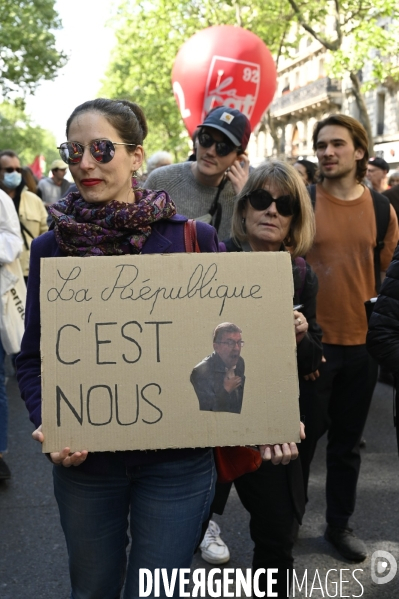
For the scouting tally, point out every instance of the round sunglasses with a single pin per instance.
(222, 148)
(102, 150)
(260, 199)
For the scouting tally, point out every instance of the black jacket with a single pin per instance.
(383, 335)
(207, 379)
(310, 349)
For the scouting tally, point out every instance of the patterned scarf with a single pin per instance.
(84, 229)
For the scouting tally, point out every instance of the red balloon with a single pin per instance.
(223, 66)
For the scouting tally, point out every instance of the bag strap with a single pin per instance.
(190, 237)
(382, 214)
(23, 231)
(312, 193)
(215, 209)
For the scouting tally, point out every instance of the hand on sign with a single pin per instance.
(64, 457)
(301, 326)
(281, 453)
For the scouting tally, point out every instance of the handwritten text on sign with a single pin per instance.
(121, 336)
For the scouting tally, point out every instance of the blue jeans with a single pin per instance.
(167, 504)
(3, 403)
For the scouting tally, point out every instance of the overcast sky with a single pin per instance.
(87, 41)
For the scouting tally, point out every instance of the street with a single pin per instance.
(33, 558)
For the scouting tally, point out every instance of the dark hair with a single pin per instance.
(195, 136)
(225, 327)
(29, 179)
(310, 167)
(9, 153)
(358, 135)
(126, 117)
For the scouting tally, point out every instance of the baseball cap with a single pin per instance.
(230, 121)
(379, 163)
(58, 164)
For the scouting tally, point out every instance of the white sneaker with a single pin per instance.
(213, 549)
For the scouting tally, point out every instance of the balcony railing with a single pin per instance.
(321, 89)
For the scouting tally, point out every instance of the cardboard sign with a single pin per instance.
(128, 359)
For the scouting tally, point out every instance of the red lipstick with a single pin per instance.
(90, 182)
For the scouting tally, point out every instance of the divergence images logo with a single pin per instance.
(380, 560)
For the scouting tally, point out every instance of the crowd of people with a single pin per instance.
(337, 220)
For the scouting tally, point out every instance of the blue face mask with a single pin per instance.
(12, 180)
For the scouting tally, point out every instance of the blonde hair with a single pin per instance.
(285, 178)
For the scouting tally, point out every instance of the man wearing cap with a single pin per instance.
(377, 171)
(51, 189)
(205, 189)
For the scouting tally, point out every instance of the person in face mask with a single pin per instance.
(31, 211)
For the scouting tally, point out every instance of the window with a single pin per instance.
(286, 86)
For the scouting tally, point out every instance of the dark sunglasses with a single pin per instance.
(223, 148)
(11, 169)
(260, 199)
(102, 150)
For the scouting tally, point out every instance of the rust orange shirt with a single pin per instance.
(342, 256)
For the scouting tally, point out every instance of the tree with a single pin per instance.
(149, 35)
(27, 50)
(150, 32)
(27, 140)
(364, 36)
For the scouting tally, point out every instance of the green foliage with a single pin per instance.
(369, 45)
(363, 36)
(18, 134)
(149, 35)
(362, 42)
(150, 32)
(27, 50)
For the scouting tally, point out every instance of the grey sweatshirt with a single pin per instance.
(192, 199)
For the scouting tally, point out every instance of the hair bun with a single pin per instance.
(137, 111)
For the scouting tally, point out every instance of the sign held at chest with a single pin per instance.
(130, 359)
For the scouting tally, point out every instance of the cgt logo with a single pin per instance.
(383, 567)
(239, 90)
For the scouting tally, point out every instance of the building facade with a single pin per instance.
(305, 94)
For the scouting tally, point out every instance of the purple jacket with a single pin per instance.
(167, 237)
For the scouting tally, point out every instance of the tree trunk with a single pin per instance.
(273, 131)
(363, 114)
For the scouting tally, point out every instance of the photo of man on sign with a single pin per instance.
(219, 379)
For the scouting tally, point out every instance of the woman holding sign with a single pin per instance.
(166, 493)
(274, 211)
